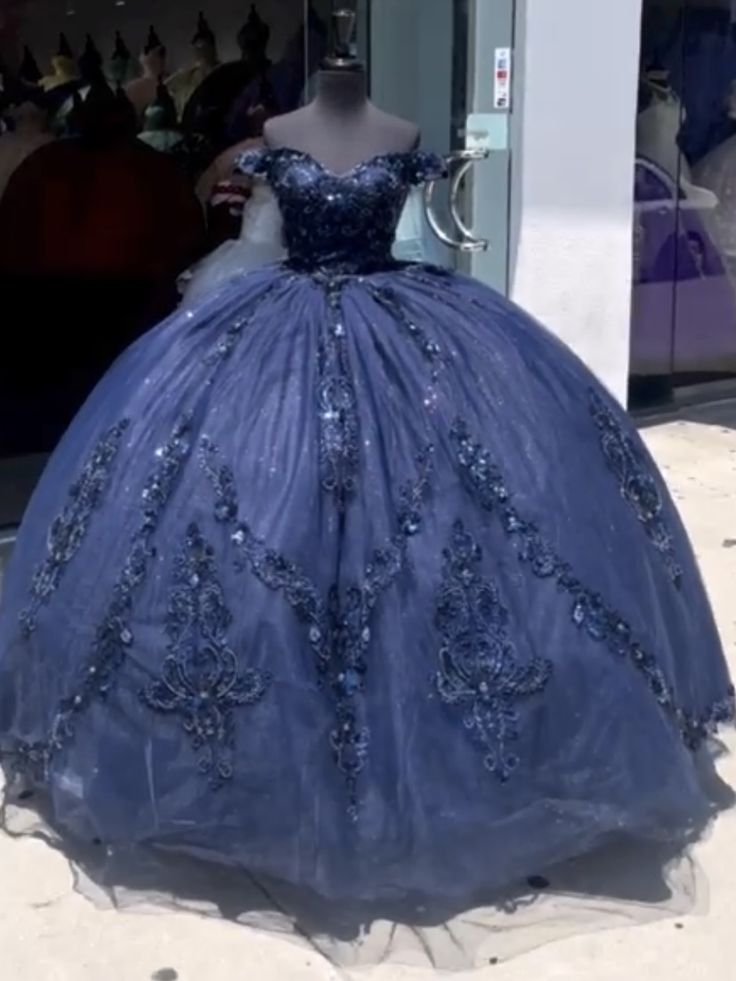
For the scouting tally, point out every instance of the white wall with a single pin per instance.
(572, 198)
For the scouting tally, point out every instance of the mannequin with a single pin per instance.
(90, 61)
(301, 59)
(659, 123)
(341, 127)
(28, 116)
(717, 172)
(29, 71)
(160, 130)
(658, 129)
(123, 68)
(208, 108)
(61, 85)
(64, 70)
(142, 91)
(185, 82)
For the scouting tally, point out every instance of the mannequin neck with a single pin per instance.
(341, 92)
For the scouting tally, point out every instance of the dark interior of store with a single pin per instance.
(120, 125)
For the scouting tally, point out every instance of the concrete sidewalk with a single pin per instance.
(49, 933)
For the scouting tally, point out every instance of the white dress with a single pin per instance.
(717, 173)
(657, 134)
(657, 131)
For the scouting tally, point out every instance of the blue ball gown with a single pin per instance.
(352, 578)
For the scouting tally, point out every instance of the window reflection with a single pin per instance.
(683, 329)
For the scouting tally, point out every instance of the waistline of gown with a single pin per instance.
(330, 269)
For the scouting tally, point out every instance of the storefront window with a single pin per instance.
(119, 125)
(683, 330)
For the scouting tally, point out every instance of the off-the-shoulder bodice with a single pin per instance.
(343, 222)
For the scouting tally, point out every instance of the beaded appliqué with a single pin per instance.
(200, 680)
(479, 666)
(338, 626)
(339, 433)
(386, 298)
(589, 611)
(69, 529)
(226, 344)
(114, 636)
(638, 487)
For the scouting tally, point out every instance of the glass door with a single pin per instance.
(447, 65)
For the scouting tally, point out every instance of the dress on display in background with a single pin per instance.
(717, 173)
(15, 146)
(286, 82)
(351, 582)
(657, 132)
(92, 239)
(683, 317)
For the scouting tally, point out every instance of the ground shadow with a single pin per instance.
(620, 882)
(720, 414)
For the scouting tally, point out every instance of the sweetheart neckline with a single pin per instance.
(346, 174)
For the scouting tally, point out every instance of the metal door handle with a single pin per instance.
(467, 242)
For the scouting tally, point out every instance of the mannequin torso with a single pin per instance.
(184, 83)
(341, 127)
(142, 91)
(30, 133)
(64, 72)
(657, 131)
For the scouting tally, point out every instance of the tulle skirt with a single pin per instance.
(354, 607)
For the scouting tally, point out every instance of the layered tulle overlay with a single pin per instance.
(357, 587)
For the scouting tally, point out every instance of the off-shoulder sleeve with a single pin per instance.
(423, 166)
(253, 163)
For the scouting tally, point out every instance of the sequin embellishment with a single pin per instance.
(200, 679)
(352, 216)
(480, 670)
(386, 298)
(638, 487)
(226, 344)
(114, 636)
(339, 433)
(589, 611)
(69, 529)
(338, 626)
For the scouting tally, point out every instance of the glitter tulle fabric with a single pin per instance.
(351, 581)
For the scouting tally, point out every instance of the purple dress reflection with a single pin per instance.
(684, 304)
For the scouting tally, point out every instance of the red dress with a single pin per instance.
(92, 238)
